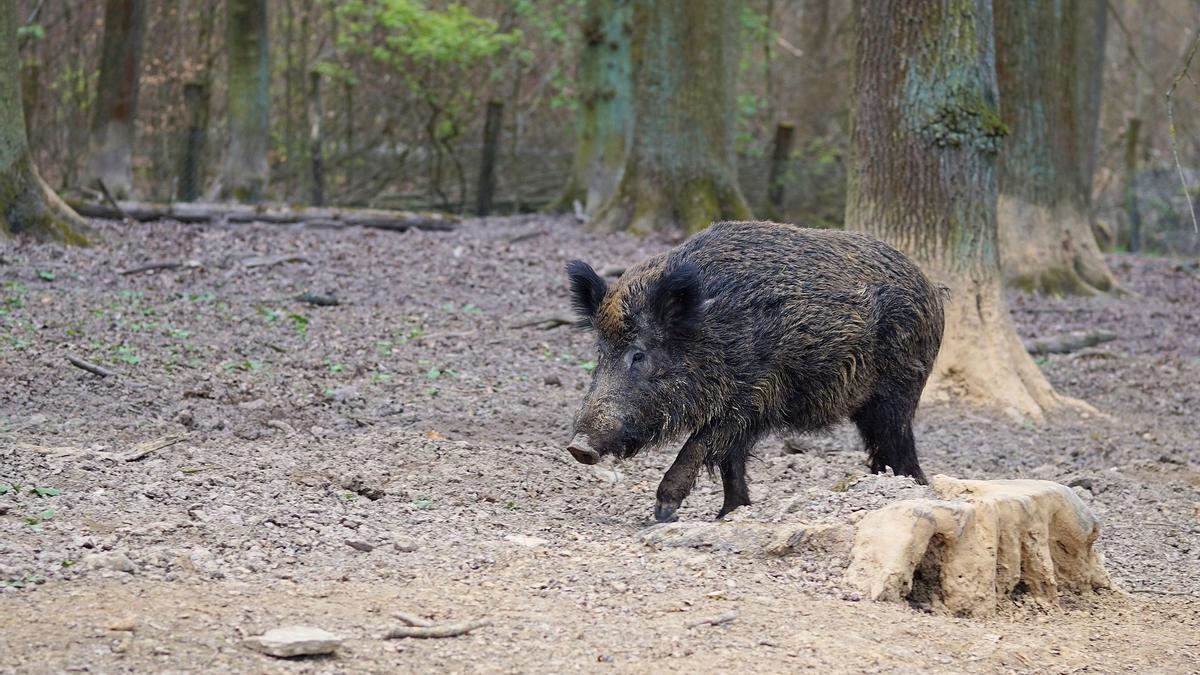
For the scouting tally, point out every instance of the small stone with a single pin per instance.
(611, 476)
(404, 546)
(290, 641)
(256, 404)
(128, 624)
(1085, 483)
(552, 381)
(525, 540)
(112, 560)
(360, 545)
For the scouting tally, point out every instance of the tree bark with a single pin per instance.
(27, 204)
(487, 163)
(1049, 61)
(244, 171)
(781, 158)
(922, 176)
(191, 160)
(604, 124)
(681, 169)
(316, 152)
(110, 147)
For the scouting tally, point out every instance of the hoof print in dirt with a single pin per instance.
(975, 546)
(293, 641)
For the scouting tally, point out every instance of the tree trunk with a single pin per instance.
(781, 160)
(110, 147)
(191, 160)
(1132, 209)
(604, 122)
(27, 204)
(487, 163)
(1049, 60)
(316, 153)
(680, 170)
(922, 176)
(244, 171)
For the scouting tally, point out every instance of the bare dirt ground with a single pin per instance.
(402, 451)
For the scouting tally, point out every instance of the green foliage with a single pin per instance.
(411, 33)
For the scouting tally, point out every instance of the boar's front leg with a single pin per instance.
(709, 444)
(678, 481)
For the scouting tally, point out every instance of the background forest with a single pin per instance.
(316, 364)
(398, 92)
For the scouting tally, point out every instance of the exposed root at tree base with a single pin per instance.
(982, 360)
(1050, 251)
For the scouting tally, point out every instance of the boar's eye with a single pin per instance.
(633, 358)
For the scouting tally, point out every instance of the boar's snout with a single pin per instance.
(582, 451)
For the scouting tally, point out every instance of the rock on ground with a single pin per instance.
(290, 641)
(977, 545)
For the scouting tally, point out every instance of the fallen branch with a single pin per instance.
(527, 236)
(273, 214)
(412, 619)
(90, 367)
(318, 300)
(108, 197)
(717, 620)
(146, 447)
(442, 631)
(437, 336)
(550, 321)
(1067, 343)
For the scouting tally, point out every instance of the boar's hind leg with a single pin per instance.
(886, 429)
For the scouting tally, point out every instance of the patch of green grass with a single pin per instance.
(299, 324)
(269, 314)
(337, 367)
(423, 502)
(381, 377)
(45, 491)
(35, 521)
(125, 354)
(45, 275)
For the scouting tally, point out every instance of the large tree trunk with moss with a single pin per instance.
(922, 176)
(27, 204)
(604, 122)
(110, 148)
(244, 170)
(680, 170)
(1049, 60)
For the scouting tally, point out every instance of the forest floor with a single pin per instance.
(258, 461)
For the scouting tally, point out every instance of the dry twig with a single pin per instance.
(717, 620)
(1187, 63)
(146, 447)
(90, 367)
(545, 322)
(435, 631)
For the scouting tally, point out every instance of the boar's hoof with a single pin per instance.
(582, 451)
(664, 511)
(728, 509)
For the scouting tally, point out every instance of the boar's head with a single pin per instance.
(644, 381)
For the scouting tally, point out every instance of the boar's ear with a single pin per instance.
(675, 300)
(587, 290)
